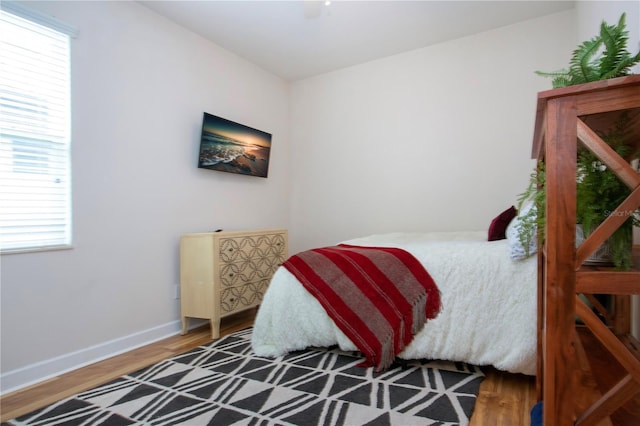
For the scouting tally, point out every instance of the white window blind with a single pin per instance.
(35, 198)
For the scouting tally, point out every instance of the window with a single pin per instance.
(35, 186)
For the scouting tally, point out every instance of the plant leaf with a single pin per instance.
(590, 63)
(583, 68)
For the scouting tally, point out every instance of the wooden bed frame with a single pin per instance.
(564, 117)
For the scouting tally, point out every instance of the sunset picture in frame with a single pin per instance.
(231, 147)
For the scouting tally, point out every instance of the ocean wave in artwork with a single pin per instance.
(219, 149)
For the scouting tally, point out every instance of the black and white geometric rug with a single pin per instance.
(223, 383)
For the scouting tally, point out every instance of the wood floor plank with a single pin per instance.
(504, 399)
(600, 360)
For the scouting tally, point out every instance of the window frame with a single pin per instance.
(53, 145)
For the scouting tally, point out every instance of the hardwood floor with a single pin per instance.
(601, 361)
(504, 399)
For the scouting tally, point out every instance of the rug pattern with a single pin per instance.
(223, 383)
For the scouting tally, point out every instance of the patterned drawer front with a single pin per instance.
(242, 297)
(251, 258)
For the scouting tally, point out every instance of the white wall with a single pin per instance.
(435, 139)
(140, 86)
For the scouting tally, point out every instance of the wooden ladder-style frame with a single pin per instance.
(566, 117)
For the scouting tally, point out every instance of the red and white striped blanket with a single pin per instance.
(380, 297)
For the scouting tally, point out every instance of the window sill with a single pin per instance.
(35, 249)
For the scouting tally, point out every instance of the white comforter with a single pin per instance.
(488, 312)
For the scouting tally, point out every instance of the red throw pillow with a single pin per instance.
(499, 224)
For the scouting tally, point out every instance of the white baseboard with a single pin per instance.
(44, 370)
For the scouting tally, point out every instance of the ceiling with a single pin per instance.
(299, 39)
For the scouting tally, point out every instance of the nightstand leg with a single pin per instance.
(215, 328)
(185, 325)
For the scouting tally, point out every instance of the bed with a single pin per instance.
(488, 314)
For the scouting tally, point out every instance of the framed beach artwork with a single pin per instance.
(231, 147)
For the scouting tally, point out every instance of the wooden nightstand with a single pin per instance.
(222, 273)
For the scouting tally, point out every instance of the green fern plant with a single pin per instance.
(598, 189)
(598, 193)
(533, 223)
(590, 63)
